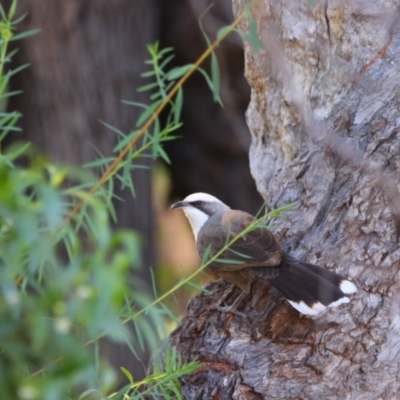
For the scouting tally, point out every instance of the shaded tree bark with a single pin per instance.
(325, 133)
(212, 155)
(87, 58)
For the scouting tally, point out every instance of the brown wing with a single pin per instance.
(258, 248)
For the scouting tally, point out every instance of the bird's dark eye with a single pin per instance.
(197, 203)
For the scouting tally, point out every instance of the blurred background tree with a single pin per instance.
(87, 58)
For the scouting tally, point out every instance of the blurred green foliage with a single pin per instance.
(66, 281)
(65, 276)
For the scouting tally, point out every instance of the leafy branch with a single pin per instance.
(160, 106)
(8, 120)
(206, 261)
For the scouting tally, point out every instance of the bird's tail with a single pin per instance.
(307, 287)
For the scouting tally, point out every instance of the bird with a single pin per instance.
(257, 255)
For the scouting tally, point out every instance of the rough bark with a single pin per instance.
(86, 59)
(325, 133)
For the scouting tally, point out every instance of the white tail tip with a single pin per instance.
(348, 287)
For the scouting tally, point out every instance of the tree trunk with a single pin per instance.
(87, 58)
(325, 134)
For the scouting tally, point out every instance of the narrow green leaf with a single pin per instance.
(206, 255)
(26, 34)
(155, 96)
(227, 261)
(88, 392)
(178, 106)
(99, 162)
(177, 72)
(124, 142)
(215, 78)
(3, 14)
(156, 138)
(252, 35)
(127, 182)
(170, 314)
(147, 87)
(164, 155)
(11, 11)
(173, 127)
(148, 112)
(10, 55)
(209, 82)
(134, 103)
(166, 61)
(127, 374)
(240, 254)
(9, 94)
(222, 32)
(17, 151)
(198, 287)
(126, 174)
(201, 24)
(6, 160)
(165, 50)
(278, 211)
(19, 69)
(147, 74)
(112, 128)
(19, 19)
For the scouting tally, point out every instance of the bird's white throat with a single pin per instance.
(196, 219)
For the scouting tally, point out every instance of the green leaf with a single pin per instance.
(147, 74)
(222, 32)
(88, 392)
(278, 211)
(99, 162)
(164, 155)
(17, 151)
(134, 103)
(19, 19)
(178, 72)
(166, 61)
(155, 96)
(210, 83)
(198, 287)
(201, 24)
(19, 69)
(125, 141)
(126, 174)
(148, 113)
(112, 128)
(252, 35)
(147, 87)
(178, 106)
(165, 50)
(12, 10)
(227, 261)
(240, 254)
(9, 94)
(2, 13)
(215, 78)
(127, 374)
(206, 255)
(26, 34)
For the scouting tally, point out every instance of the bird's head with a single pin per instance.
(198, 208)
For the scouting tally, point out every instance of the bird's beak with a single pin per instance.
(179, 204)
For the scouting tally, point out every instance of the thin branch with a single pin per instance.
(252, 226)
(114, 166)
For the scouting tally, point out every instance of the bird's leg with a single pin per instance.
(231, 308)
(226, 294)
